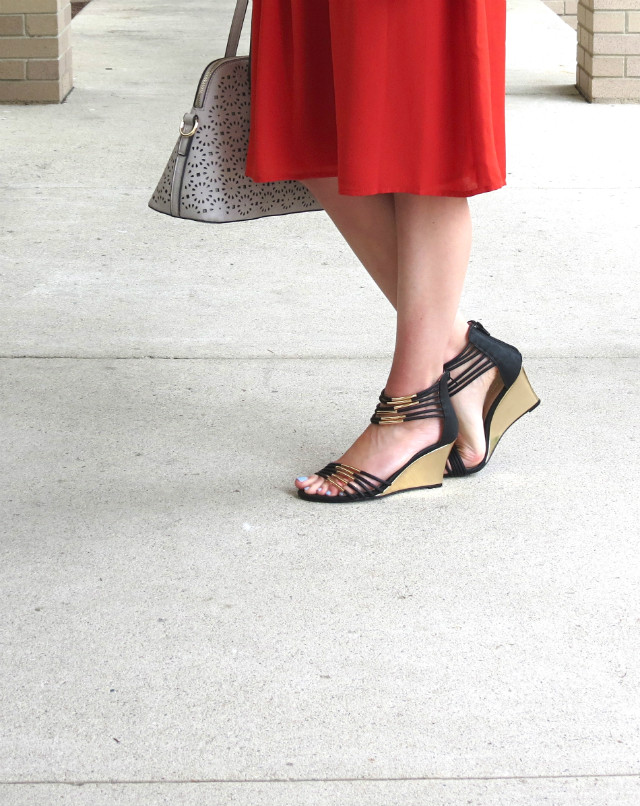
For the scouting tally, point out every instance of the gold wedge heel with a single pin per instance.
(424, 473)
(518, 400)
(513, 395)
(425, 470)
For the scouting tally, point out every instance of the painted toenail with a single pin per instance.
(306, 489)
(328, 492)
(302, 478)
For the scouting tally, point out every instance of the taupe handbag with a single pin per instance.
(204, 179)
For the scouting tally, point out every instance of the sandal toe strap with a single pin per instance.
(354, 483)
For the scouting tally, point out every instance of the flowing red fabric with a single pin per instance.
(401, 96)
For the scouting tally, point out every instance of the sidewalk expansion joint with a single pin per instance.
(399, 779)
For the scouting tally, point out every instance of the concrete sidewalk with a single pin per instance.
(177, 627)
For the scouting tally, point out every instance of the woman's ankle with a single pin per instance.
(403, 386)
(458, 340)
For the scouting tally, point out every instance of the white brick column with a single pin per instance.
(609, 50)
(35, 51)
(567, 9)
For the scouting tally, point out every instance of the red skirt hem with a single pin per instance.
(346, 190)
(389, 97)
(423, 191)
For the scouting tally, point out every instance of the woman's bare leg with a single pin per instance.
(368, 224)
(433, 238)
(434, 242)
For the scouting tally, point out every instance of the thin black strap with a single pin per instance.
(352, 482)
(420, 406)
(456, 465)
(474, 362)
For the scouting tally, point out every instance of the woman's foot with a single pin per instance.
(380, 450)
(481, 369)
(471, 405)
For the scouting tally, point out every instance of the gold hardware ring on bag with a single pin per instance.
(192, 132)
(205, 177)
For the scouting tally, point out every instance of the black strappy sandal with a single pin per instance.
(422, 472)
(515, 399)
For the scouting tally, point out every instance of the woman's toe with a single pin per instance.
(316, 485)
(312, 484)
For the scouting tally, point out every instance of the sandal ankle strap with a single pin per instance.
(419, 406)
(482, 353)
(474, 362)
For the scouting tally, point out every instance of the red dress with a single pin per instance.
(388, 95)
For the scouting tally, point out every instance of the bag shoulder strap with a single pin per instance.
(236, 27)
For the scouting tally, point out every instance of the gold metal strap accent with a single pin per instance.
(332, 479)
(350, 467)
(342, 476)
(352, 481)
(387, 418)
(418, 406)
(390, 412)
(397, 402)
(345, 475)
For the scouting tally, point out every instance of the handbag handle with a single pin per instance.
(236, 27)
